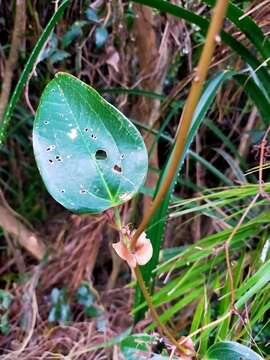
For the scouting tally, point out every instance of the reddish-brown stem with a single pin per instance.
(198, 81)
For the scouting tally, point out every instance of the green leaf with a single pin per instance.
(92, 311)
(231, 350)
(73, 33)
(238, 173)
(55, 296)
(107, 344)
(133, 346)
(90, 156)
(49, 49)
(101, 36)
(84, 295)
(137, 347)
(4, 324)
(59, 55)
(92, 15)
(5, 299)
(253, 285)
(65, 314)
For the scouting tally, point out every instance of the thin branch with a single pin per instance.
(18, 32)
(27, 238)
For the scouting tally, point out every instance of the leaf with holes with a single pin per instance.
(90, 156)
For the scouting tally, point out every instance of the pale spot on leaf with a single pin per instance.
(73, 134)
(125, 196)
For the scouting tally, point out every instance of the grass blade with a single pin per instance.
(28, 68)
(203, 23)
(156, 228)
(248, 27)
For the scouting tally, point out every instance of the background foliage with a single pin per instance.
(79, 283)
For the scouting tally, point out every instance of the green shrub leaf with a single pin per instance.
(101, 36)
(90, 156)
(231, 350)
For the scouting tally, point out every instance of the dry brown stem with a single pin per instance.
(153, 62)
(17, 35)
(26, 237)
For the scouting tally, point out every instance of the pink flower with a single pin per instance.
(139, 256)
(188, 344)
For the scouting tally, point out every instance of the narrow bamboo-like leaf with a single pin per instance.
(234, 166)
(211, 168)
(224, 303)
(28, 68)
(91, 157)
(248, 27)
(256, 94)
(204, 336)
(156, 227)
(197, 318)
(208, 243)
(178, 306)
(106, 344)
(231, 350)
(253, 285)
(225, 140)
(203, 23)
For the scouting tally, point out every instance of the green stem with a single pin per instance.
(166, 332)
(184, 124)
(117, 217)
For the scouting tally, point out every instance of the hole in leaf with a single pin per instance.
(86, 129)
(93, 137)
(122, 156)
(46, 122)
(62, 191)
(83, 191)
(101, 155)
(50, 148)
(58, 158)
(117, 169)
(50, 161)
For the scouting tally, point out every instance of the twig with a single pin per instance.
(18, 32)
(264, 3)
(27, 238)
(262, 151)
